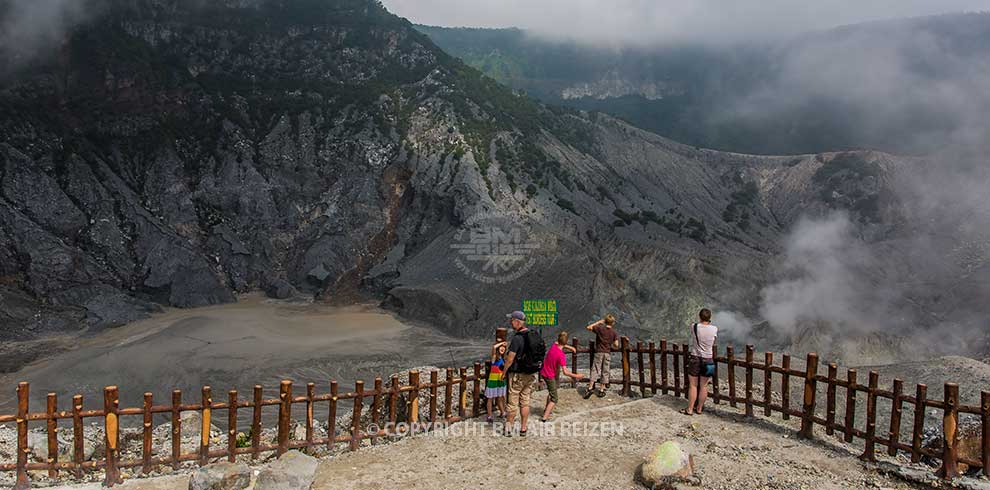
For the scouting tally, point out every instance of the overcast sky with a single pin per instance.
(652, 21)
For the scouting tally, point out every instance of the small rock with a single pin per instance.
(293, 471)
(38, 443)
(221, 476)
(667, 464)
(280, 289)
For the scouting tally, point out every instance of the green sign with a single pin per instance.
(540, 312)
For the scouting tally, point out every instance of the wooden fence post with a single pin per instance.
(146, 428)
(256, 423)
(675, 360)
(414, 400)
(664, 386)
(985, 433)
(591, 362)
(434, 383)
(716, 393)
(112, 435)
(850, 419)
(52, 427)
(687, 384)
(731, 362)
(356, 415)
(869, 453)
(204, 432)
(78, 443)
(176, 428)
(653, 369)
(921, 395)
(810, 392)
(23, 392)
(767, 383)
(639, 365)
(950, 434)
(376, 409)
(448, 394)
(893, 436)
(576, 344)
(476, 402)
(625, 366)
(310, 416)
(332, 416)
(749, 380)
(833, 370)
(462, 394)
(232, 426)
(284, 414)
(785, 386)
(393, 399)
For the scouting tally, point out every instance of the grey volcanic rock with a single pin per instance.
(181, 152)
(280, 289)
(221, 476)
(435, 304)
(292, 471)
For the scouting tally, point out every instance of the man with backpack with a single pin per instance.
(522, 363)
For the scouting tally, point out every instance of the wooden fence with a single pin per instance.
(385, 398)
(835, 423)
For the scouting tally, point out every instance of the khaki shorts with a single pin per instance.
(551, 389)
(520, 388)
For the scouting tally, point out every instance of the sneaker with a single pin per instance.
(601, 394)
(522, 433)
(587, 394)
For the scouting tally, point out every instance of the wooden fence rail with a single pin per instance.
(379, 418)
(811, 415)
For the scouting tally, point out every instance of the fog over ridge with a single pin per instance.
(649, 22)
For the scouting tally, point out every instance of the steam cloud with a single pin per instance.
(821, 283)
(915, 82)
(30, 29)
(923, 277)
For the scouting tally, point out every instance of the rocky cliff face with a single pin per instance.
(177, 153)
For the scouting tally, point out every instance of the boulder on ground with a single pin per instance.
(293, 471)
(666, 465)
(280, 289)
(221, 476)
(38, 442)
(192, 424)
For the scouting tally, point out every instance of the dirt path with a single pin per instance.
(235, 346)
(729, 454)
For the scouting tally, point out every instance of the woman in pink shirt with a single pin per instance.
(554, 363)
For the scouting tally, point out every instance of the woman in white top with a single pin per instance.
(701, 366)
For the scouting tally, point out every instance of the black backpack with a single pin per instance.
(534, 350)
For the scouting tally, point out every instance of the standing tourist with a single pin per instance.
(553, 364)
(606, 338)
(701, 365)
(495, 385)
(525, 357)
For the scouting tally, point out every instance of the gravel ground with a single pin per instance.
(729, 453)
